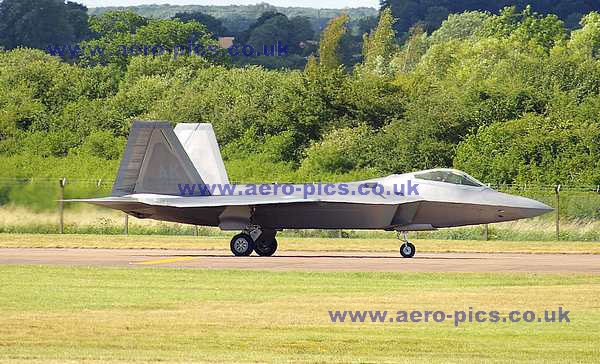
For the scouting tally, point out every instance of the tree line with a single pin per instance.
(431, 14)
(512, 97)
(40, 23)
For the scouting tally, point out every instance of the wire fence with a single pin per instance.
(575, 205)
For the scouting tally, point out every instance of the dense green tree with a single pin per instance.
(243, 36)
(533, 149)
(112, 30)
(172, 33)
(301, 35)
(431, 14)
(586, 41)
(411, 51)
(79, 20)
(269, 30)
(380, 46)
(460, 27)
(526, 26)
(212, 24)
(340, 151)
(39, 23)
(512, 97)
(126, 36)
(112, 23)
(275, 28)
(330, 42)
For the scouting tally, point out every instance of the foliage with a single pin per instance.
(39, 23)
(534, 149)
(238, 18)
(339, 152)
(213, 25)
(380, 46)
(125, 35)
(586, 41)
(271, 30)
(330, 42)
(431, 14)
(510, 98)
(113, 22)
(460, 26)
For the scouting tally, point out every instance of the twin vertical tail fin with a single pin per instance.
(160, 160)
(200, 144)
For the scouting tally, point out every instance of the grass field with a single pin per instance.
(52, 314)
(292, 243)
(161, 315)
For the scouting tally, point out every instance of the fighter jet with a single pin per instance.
(170, 175)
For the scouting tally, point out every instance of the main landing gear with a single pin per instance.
(407, 249)
(262, 242)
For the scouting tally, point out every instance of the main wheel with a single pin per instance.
(266, 248)
(407, 250)
(242, 245)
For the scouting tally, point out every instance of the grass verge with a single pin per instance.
(53, 314)
(293, 243)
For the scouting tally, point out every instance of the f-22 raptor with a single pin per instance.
(159, 160)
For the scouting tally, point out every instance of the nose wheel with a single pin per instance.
(407, 249)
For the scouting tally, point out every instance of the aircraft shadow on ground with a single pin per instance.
(341, 257)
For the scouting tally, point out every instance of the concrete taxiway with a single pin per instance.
(307, 261)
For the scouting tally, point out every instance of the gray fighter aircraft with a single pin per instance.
(159, 160)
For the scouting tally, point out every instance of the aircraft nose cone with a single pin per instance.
(527, 207)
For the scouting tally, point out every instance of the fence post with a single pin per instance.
(126, 227)
(195, 230)
(61, 205)
(557, 191)
(485, 226)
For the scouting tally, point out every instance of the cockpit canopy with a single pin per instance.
(449, 176)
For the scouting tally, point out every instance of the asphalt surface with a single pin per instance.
(307, 261)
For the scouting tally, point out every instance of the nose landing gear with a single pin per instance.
(407, 249)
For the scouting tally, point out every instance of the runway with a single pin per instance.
(307, 261)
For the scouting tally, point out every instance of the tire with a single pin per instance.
(407, 250)
(266, 248)
(242, 245)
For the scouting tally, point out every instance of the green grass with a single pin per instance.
(293, 243)
(53, 314)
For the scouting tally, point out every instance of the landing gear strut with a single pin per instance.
(407, 249)
(253, 238)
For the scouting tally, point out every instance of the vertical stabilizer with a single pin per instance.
(155, 162)
(200, 144)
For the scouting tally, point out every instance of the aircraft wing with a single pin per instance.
(244, 200)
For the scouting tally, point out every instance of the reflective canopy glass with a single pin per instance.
(449, 176)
